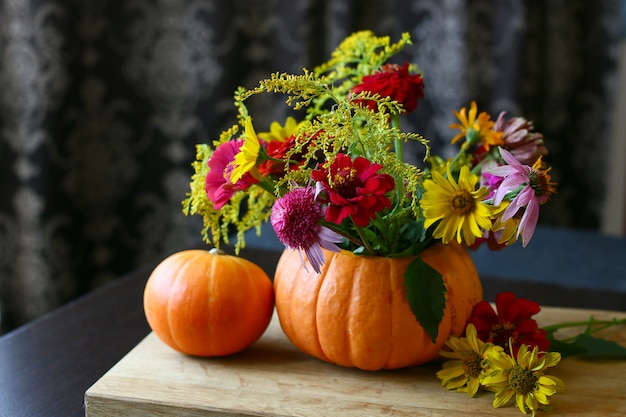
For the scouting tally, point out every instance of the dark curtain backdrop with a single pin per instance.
(102, 102)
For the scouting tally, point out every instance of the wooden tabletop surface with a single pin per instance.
(273, 378)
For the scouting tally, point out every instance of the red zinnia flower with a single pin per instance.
(511, 322)
(218, 187)
(276, 149)
(395, 82)
(353, 189)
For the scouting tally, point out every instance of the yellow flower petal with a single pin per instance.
(246, 159)
(459, 206)
(502, 398)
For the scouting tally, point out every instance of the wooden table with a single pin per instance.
(47, 366)
(272, 378)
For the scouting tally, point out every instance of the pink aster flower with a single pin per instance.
(218, 185)
(520, 139)
(296, 220)
(530, 186)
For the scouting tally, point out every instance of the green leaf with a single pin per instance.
(426, 295)
(589, 346)
(596, 346)
(566, 349)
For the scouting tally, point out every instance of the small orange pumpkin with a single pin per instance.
(208, 304)
(355, 312)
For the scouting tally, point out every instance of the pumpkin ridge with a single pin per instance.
(252, 298)
(392, 312)
(168, 316)
(350, 318)
(451, 279)
(322, 275)
(330, 261)
(211, 284)
(187, 264)
(257, 298)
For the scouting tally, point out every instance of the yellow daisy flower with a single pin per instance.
(280, 133)
(246, 159)
(459, 206)
(467, 366)
(523, 379)
(476, 129)
(507, 229)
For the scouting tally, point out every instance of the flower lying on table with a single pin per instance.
(337, 178)
(506, 352)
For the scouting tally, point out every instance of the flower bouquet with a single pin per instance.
(333, 177)
(337, 178)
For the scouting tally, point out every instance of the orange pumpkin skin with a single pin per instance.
(355, 313)
(208, 304)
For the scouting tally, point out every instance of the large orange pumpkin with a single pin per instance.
(208, 304)
(355, 312)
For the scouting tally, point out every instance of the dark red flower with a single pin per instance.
(218, 187)
(513, 321)
(353, 189)
(277, 149)
(393, 81)
(491, 240)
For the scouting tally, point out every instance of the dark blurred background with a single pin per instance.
(102, 102)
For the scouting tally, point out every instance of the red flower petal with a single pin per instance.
(512, 323)
(357, 190)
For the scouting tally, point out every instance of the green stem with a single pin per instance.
(598, 325)
(262, 181)
(477, 169)
(365, 242)
(284, 161)
(456, 158)
(343, 234)
(397, 143)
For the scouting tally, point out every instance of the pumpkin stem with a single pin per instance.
(216, 251)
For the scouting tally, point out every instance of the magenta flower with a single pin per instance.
(296, 220)
(491, 182)
(218, 187)
(529, 186)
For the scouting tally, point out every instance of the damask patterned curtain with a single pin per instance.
(102, 102)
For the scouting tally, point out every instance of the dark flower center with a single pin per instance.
(462, 203)
(522, 380)
(472, 365)
(539, 183)
(345, 184)
(500, 332)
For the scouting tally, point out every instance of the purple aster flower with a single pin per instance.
(530, 186)
(296, 220)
